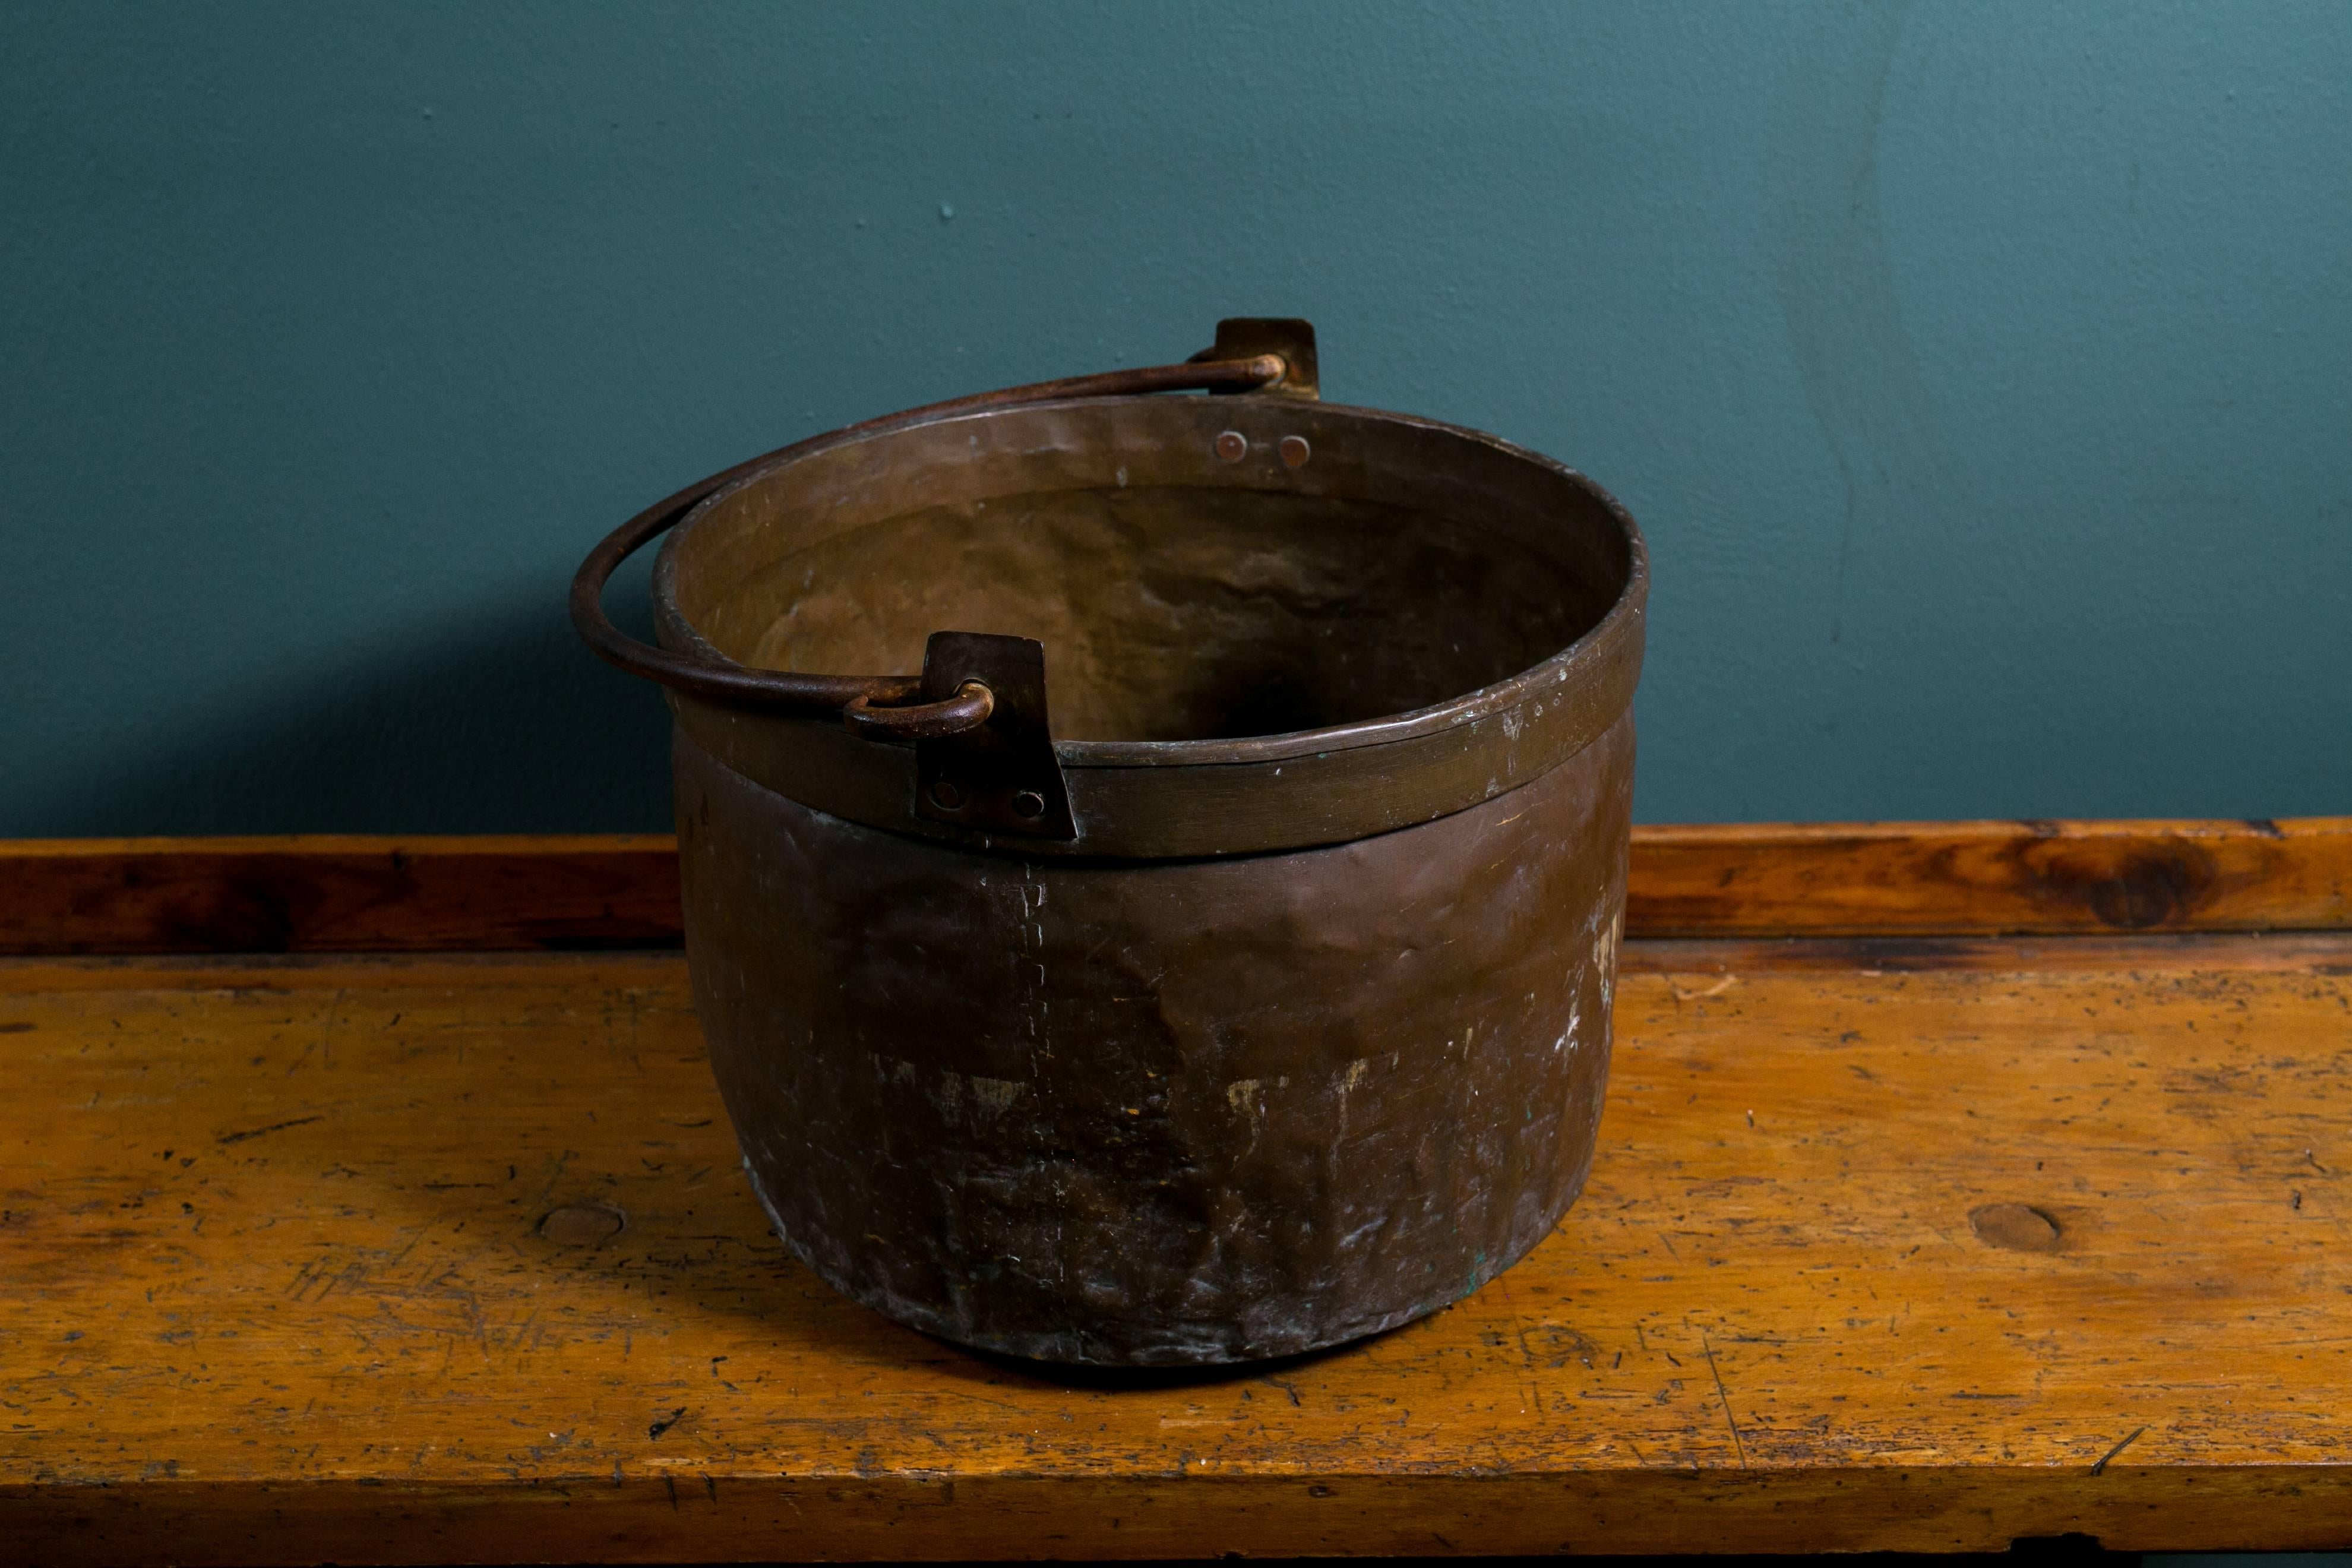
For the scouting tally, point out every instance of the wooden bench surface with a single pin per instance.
(1926, 1245)
(1920, 1242)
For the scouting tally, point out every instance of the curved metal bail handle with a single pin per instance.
(968, 709)
(874, 706)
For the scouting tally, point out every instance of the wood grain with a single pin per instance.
(451, 894)
(1977, 877)
(279, 1286)
(337, 894)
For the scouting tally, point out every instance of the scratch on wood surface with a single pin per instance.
(1738, 1445)
(1683, 993)
(273, 1127)
(2101, 1468)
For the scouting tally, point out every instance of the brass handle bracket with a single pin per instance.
(1286, 338)
(1001, 775)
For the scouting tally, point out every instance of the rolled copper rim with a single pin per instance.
(1152, 799)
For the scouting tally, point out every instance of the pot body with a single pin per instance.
(1161, 1112)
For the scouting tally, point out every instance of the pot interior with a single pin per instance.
(1179, 597)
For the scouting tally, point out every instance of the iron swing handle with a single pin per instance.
(876, 706)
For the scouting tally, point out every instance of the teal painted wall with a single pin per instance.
(1981, 372)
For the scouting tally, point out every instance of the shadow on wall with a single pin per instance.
(513, 727)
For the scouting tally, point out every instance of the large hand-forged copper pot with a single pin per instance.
(1254, 999)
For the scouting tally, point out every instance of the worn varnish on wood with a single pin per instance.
(1919, 1245)
(358, 894)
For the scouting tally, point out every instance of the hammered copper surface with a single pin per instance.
(1295, 1027)
(1183, 613)
(1166, 1113)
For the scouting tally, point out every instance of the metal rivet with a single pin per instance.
(1233, 446)
(1295, 451)
(946, 796)
(581, 1224)
(1029, 804)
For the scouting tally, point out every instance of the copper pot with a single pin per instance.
(1256, 1000)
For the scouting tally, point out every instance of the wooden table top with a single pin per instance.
(1926, 1245)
